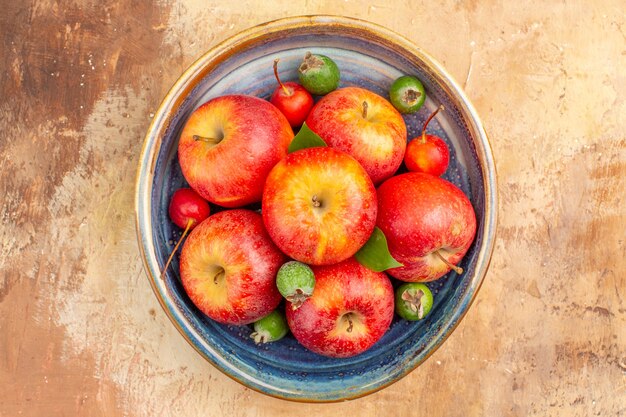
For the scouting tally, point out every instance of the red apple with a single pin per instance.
(429, 224)
(363, 124)
(229, 145)
(228, 267)
(350, 310)
(319, 205)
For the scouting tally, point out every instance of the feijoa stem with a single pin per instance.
(285, 89)
(455, 268)
(297, 298)
(182, 237)
(411, 96)
(309, 62)
(428, 121)
(415, 302)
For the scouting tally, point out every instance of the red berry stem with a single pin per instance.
(285, 89)
(455, 268)
(423, 140)
(182, 237)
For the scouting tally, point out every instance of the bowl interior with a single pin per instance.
(285, 369)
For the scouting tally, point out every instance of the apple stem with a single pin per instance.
(455, 268)
(350, 325)
(316, 201)
(169, 260)
(206, 139)
(219, 275)
(428, 121)
(365, 109)
(285, 89)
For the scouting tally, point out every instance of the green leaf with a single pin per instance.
(306, 138)
(375, 253)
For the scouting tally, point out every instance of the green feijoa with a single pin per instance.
(270, 328)
(295, 282)
(413, 301)
(407, 94)
(318, 74)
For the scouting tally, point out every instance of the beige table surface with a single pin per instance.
(81, 333)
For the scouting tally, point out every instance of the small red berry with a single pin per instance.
(427, 153)
(187, 206)
(187, 209)
(293, 100)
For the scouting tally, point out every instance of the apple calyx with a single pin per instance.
(414, 302)
(423, 138)
(297, 298)
(316, 201)
(206, 139)
(455, 268)
(365, 106)
(287, 91)
(182, 237)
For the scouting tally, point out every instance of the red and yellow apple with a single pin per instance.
(229, 145)
(228, 267)
(429, 224)
(350, 310)
(319, 205)
(364, 125)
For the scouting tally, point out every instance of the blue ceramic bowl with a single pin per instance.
(368, 56)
